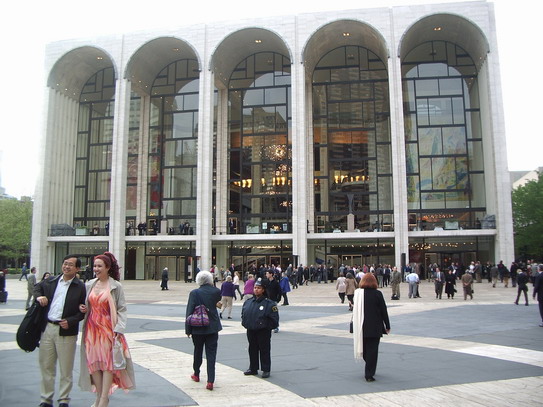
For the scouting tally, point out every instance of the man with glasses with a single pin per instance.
(61, 296)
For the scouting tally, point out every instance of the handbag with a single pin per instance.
(199, 316)
(119, 360)
(29, 332)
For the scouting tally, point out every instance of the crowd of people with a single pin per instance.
(100, 305)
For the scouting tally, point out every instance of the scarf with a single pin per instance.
(358, 323)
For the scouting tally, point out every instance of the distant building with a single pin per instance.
(353, 136)
(520, 178)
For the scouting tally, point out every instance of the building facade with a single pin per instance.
(357, 136)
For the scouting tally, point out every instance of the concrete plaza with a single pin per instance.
(481, 352)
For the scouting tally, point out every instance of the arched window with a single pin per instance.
(351, 139)
(173, 147)
(93, 153)
(443, 142)
(260, 145)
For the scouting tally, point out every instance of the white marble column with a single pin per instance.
(300, 171)
(399, 180)
(119, 168)
(204, 195)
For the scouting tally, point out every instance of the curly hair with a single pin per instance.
(111, 263)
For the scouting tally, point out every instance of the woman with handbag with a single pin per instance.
(104, 350)
(204, 333)
(370, 322)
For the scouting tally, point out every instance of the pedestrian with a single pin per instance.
(467, 281)
(350, 287)
(104, 326)
(522, 283)
(204, 336)
(45, 276)
(395, 280)
(413, 280)
(227, 299)
(494, 273)
(370, 322)
(450, 282)
(24, 272)
(341, 286)
(61, 297)
(538, 290)
(284, 284)
(235, 281)
(259, 316)
(30, 283)
(164, 282)
(248, 288)
(439, 281)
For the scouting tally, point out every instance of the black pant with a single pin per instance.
(525, 291)
(541, 310)
(259, 345)
(370, 352)
(285, 300)
(211, 343)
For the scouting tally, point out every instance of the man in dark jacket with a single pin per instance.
(259, 316)
(61, 296)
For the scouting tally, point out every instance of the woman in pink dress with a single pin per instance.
(105, 323)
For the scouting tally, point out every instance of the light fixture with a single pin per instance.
(258, 41)
(346, 34)
(99, 58)
(437, 28)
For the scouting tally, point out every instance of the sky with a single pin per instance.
(29, 26)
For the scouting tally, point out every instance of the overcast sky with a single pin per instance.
(27, 27)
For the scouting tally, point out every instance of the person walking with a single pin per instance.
(204, 336)
(450, 282)
(494, 273)
(235, 281)
(284, 284)
(103, 327)
(24, 272)
(395, 280)
(61, 297)
(164, 282)
(467, 281)
(227, 299)
(522, 284)
(341, 286)
(259, 316)
(439, 281)
(350, 287)
(248, 288)
(30, 283)
(370, 322)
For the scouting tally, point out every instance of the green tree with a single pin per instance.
(15, 229)
(528, 219)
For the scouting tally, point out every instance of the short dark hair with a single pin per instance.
(73, 256)
(368, 281)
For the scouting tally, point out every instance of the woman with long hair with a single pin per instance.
(370, 322)
(350, 287)
(104, 324)
(207, 336)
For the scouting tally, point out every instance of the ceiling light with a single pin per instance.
(437, 28)
(346, 34)
(258, 41)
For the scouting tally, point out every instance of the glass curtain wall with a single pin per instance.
(173, 144)
(133, 156)
(443, 141)
(351, 136)
(93, 153)
(260, 145)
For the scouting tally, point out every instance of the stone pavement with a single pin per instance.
(481, 352)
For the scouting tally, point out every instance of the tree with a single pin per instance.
(528, 218)
(15, 227)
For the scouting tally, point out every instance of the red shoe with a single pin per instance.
(195, 377)
(209, 386)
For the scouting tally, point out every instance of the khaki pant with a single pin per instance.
(227, 303)
(54, 347)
